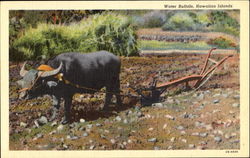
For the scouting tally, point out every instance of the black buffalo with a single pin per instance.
(78, 73)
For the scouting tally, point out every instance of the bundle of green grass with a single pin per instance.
(106, 31)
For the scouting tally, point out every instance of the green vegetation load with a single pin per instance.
(106, 31)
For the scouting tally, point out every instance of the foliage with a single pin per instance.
(222, 42)
(179, 22)
(224, 23)
(106, 31)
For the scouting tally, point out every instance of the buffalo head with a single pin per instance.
(35, 81)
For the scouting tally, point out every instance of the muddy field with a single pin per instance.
(203, 119)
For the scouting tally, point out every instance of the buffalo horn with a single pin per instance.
(50, 73)
(23, 71)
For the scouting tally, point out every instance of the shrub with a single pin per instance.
(222, 42)
(179, 22)
(106, 31)
(150, 20)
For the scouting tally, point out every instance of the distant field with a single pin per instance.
(162, 45)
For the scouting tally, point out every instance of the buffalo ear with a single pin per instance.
(51, 84)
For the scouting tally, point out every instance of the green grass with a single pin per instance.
(161, 45)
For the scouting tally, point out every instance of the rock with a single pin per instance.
(164, 126)
(81, 128)
(191, 146)
(102, 136)
(118, 118)
(151, 129)
(203, 143)
(180, 128)
(139, 114)
(92, 147)
(172, 139)
(22, 124)
(217, 139)
(130, 141)
(98, 125)
(183, 132)
(89, 126)
(236, 97)
(74, 138)
(216, 95)
(52, 132)
(236, 105)
(125, 121)
(156, 148)
(112, 141)
(36, 124)
(60, 128)
(199, 124)
(225, 95)
(68, 137)
(42, 120)
(152, 140)
(39, 135)
(170, 117)
(53, 124)
(209, 127)
(170, 147)
(216, 101)
(227, 136)
(158, 105)
(65, 146)
(124, 143)
(129, 112)
(203, 134)
(200, 96)
(85, 134)
(195, 134)
(82, 120)
(184, 140)
(235, 141)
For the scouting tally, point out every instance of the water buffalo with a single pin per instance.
(71, 72)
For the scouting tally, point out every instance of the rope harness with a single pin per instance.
(60, 77)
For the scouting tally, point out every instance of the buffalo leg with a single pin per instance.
(107, 99)
(55, 108)
(117, 93)
(67, 108)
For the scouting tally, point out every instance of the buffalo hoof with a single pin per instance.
(65, 121)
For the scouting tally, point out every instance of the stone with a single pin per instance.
(183, 132)
(82, 120)
(165, 126)
(180, 128)
(152, 140)
(170, 117)
(172, 139)
(36, 123)
(52, 132)
(170, 147)
(158, 105)
(236, 105)
(236, 96)
(53, 124)
(200, 96)
(65, 146)
(209, 127)
(85, 134)
(89, 126)
(195, 134)
(203, 134)
(118, 118)
(98, 125)
(22, 124)
(184, 140)
(227, 136)
(216, 101)
(92, 147)
(60, 128)
(112, 141)
(125, 121)
(191, 146)
(42, 120)
(102, 136)
(217, 139)
(151, 129)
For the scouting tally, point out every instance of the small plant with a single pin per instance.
(222, 42)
